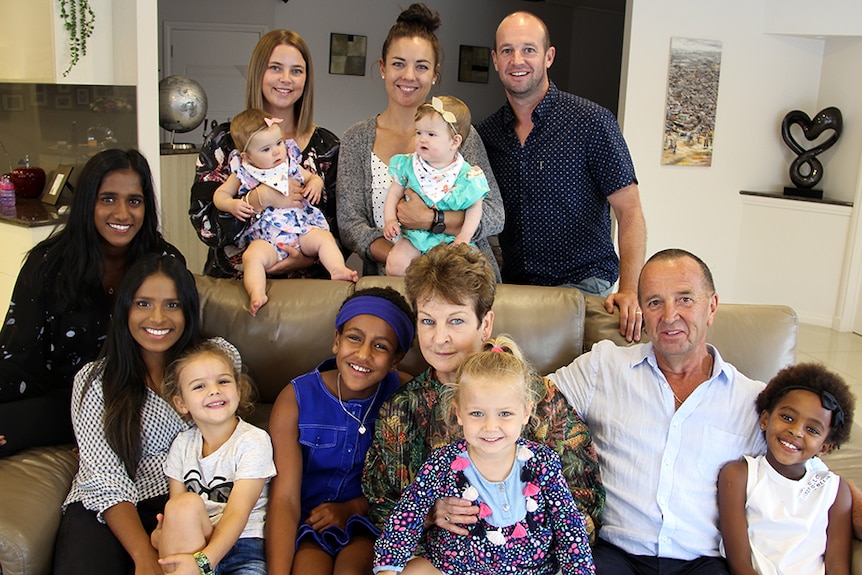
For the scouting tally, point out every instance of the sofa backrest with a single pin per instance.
(294, 331)
(758, 339)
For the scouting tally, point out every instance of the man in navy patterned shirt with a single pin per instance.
(561, 163)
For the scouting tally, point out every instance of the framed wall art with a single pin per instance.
(692, 96)
(473, 64)
(347, 54)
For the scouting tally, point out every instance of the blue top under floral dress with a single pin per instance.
(276, 225)
(455, 187)
(528, 523)
(333, 451)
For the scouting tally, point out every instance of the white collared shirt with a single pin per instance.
(660, 465)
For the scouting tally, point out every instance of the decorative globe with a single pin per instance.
(182, 104)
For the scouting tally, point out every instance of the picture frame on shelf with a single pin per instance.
(59, 180)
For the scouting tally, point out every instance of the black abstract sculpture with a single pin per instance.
(826, 119)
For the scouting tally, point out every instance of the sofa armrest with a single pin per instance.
(33, 484)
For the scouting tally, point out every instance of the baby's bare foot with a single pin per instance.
(346, 274)
(256, 303)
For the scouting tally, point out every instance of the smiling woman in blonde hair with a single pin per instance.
(280, 81)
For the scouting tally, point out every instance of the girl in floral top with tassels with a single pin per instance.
(528, 521)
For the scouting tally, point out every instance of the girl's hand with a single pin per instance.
(326, 515)
(241, 210)
(391, 230)
(156, 535)
(313, 189)
(459, 240)
(450, 513)
(150, 566)
(180, 564)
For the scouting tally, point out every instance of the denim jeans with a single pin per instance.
(594, 286)
(246, 557)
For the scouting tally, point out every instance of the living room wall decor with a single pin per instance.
(692, 95)
(473, 64)
(347, 54)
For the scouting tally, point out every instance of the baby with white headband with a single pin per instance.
(438, 174)
(265, 158)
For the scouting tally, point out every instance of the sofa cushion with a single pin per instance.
(33, 484)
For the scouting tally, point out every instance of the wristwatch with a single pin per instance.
(438, 226)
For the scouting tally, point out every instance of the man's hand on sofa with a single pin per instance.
(631, 318)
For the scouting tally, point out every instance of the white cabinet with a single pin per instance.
(27, 41)
(17, 241)
(177, 175)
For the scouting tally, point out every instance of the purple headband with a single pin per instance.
(385, 310)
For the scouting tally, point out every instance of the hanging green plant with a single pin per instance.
(78, 19)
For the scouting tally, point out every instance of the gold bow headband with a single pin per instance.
(269, 122)
(448, 116)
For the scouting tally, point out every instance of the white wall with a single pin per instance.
(838, 88)
(762, 78)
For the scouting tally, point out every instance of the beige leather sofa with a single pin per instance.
(293, 333)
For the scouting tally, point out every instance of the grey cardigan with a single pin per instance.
(355, 215)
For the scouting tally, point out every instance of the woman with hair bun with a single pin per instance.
(409, 67)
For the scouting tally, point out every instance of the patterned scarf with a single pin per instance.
(436, 182)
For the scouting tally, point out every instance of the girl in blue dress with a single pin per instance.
(321, 425)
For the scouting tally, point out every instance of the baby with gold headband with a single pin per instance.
(438, 174)
(265, 158)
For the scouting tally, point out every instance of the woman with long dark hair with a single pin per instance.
(61, 304)
(122, 425)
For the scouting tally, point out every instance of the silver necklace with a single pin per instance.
(362, 428)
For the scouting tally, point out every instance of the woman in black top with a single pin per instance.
(61, 305)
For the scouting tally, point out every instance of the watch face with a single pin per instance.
(438, 228)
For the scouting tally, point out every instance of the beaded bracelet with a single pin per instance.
(203, 563)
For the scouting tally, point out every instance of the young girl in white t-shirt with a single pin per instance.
(218, 471)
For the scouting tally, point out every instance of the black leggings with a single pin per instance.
(36, 422)
(85, 545)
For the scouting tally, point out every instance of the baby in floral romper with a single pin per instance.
(528, 521)
(263, 158)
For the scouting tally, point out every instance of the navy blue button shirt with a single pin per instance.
(555, 189)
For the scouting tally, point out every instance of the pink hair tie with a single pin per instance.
(498, 349)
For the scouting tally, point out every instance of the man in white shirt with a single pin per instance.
(665, 416)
